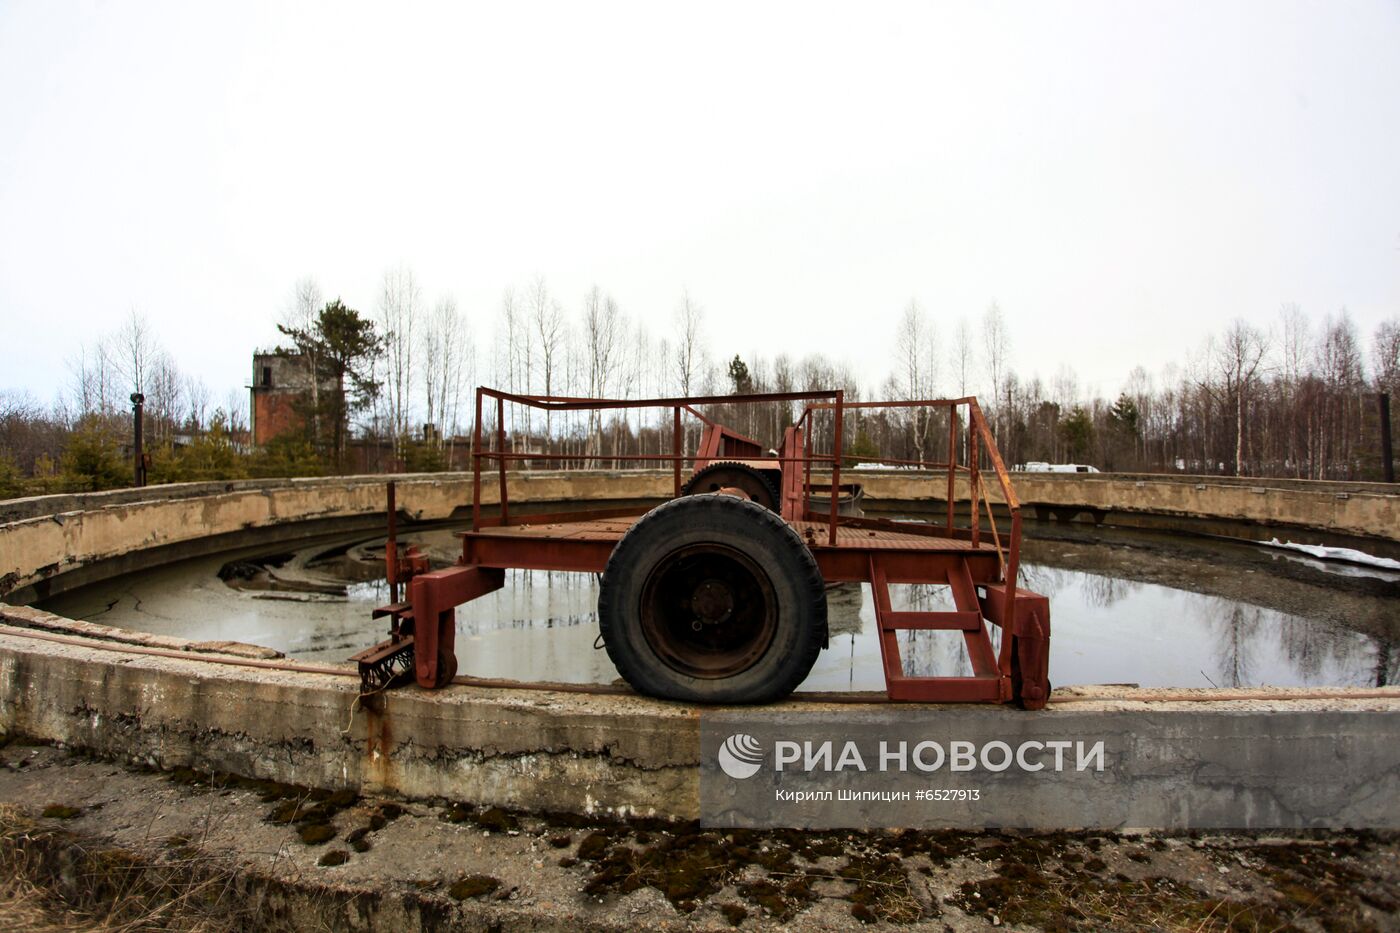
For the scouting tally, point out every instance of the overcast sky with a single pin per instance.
(1122, 178)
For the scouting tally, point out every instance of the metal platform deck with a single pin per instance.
(915, 554)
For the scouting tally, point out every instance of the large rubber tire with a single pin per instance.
(755, 483)
(712, 599)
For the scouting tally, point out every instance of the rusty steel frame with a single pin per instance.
(874, 551)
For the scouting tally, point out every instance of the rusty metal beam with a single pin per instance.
(555, 518)
(435, 596)
(571, 403)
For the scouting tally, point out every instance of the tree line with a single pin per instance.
(1294, 399)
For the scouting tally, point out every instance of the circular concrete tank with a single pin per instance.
(170, 702)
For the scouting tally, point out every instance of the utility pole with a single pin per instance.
(138, 405)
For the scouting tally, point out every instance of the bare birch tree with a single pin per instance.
(446, 362)
(914, 344)
(602, 330)
(996, 347)
(164, 393)
(300, 315)
(550, 329)
(1385, 358)
(92, 379)
(963, 355)
(1238, 358)
(196, 401)
(1296, 352)
(399, 308)
(690, 351)
(519, 361)
(133, 347)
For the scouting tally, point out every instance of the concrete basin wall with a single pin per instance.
(56, 542)
(619, 755)
(523, 749)
(1358, 510)
(50, 543)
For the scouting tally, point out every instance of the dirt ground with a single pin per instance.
(94, 845)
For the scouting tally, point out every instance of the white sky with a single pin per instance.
(1122, 178)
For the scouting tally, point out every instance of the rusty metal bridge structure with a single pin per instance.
(717, 628)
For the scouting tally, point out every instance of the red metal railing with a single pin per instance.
(678, 457)
(979, 444)
(979, 441)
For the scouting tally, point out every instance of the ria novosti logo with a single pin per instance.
(740, 756)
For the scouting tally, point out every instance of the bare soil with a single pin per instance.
(128, 849)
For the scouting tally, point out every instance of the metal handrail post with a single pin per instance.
(836, 465)
(502, 496)
(476, 465)
(676, 450)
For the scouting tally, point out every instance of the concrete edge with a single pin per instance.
(601, 755)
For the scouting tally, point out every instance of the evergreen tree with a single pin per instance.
(343, 346)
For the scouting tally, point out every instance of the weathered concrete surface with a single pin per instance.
(196, 518)
(1204, 768)
(1369, 510)
(525, 749)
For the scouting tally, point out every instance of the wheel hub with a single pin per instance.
(708, 611)
(713, 602)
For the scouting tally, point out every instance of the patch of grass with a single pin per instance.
(780, 898)
(593, 846)
(1023, 894)
(59, 811)
(1315, 882)
(496, 820)
(734, 913)
(456, 813)
(691, 866)
(51, 879)
(882, 889)
(474, 886)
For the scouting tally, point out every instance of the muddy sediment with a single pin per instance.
(220, 852)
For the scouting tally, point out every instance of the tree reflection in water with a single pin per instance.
(927, 652)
